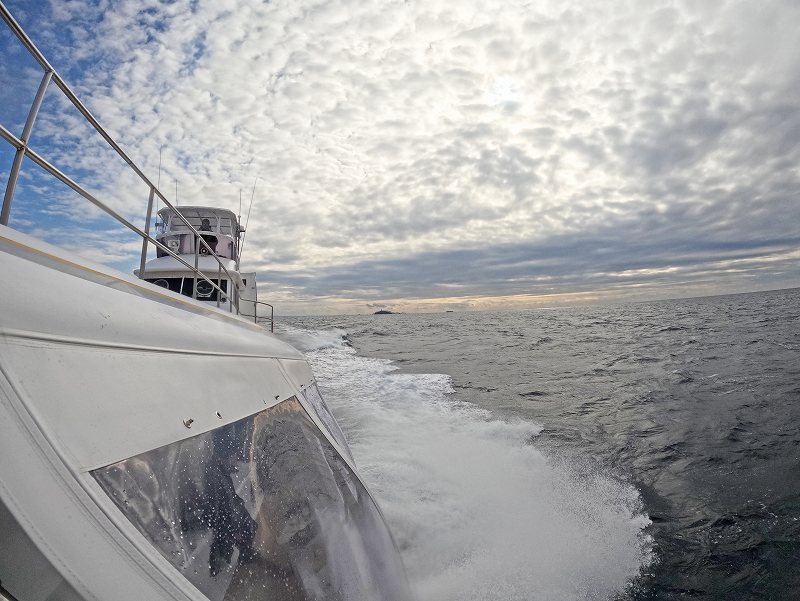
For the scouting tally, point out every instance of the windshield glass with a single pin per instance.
(202, 221)
(314, 398)
(264, 508)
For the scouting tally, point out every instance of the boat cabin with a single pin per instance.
(222, 233)
(219, 228)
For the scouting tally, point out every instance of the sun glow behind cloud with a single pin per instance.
(420, 153)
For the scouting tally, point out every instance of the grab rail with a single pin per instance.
(255, 312)
(23, 150)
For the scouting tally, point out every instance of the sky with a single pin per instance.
(425, 156)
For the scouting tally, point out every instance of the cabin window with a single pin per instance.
(204, 289)
(185, 286)
(173, 284)
(262, 508)
(216, 223)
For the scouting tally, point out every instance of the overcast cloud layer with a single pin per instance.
(438, 154)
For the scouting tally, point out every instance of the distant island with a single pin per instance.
(383, 312)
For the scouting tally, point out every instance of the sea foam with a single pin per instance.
(478, 512)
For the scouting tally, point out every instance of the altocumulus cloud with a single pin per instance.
(457, 153)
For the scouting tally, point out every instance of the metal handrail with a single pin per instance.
(23, 150)
(255, 312)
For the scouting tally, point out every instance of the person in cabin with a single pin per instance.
(205, 226)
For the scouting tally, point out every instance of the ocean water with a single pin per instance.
(630, 452)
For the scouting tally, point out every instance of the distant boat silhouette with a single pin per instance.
(384, 312)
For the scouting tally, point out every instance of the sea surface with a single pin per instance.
(644, 451)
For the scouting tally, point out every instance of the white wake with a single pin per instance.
(478, 512)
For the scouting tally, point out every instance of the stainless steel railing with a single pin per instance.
(23, 150)
(271, 317)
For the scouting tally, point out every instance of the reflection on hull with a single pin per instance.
(261, 508)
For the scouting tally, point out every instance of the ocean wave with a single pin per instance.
(479, 512)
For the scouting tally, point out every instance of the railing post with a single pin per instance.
(26, 135)
(147, 232)
(219, 279)
(196, 259)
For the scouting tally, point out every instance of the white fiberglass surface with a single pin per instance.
(479, 513)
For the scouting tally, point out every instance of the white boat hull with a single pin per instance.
(100, 371)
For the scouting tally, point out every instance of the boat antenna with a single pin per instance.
(176, 191)
(247, 222)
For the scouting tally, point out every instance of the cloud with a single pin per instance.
(421, 150)
(553, 266)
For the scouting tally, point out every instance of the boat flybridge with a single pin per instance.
(155, 442)
(210, 240)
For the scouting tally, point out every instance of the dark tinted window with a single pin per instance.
(185, 286)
